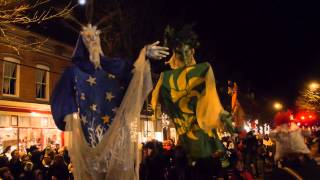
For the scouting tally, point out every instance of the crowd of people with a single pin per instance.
(288, 152)
(247, 156)
(51, 163)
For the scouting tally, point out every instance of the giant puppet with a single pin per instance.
(98, 101)
(188, 92)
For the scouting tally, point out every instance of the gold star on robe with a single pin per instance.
(106, 119)
(109, 96)
(83, 96)
(91, 81)
(93, 107)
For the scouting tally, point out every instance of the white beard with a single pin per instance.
(91, 39)
(94, 55)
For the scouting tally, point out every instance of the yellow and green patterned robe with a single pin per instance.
(190, 96)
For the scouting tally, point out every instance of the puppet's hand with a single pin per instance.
(156, 52)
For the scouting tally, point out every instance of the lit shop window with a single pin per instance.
(11, 72)
(42, 82)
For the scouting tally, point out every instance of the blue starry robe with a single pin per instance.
(94, 93)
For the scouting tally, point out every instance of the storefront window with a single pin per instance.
(29, 137)
(52, 137)
(39, 131)
(8, 137)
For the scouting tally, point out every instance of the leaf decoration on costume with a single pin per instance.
(185, 36)
(99, 132)
(183, 91)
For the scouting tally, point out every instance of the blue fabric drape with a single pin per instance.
(95, 92)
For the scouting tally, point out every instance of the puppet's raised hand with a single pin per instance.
(156, 52)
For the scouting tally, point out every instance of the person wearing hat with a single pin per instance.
(292, 154)
(288, 136)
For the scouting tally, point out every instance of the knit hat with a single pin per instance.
(282, 118)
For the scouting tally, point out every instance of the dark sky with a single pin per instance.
(270, 47)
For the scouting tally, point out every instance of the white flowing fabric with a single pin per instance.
(115, 157)
(289, 139)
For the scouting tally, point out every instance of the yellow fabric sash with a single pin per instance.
(209, 107)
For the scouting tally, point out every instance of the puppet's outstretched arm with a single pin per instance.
(153, 51)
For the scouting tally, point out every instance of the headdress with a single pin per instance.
(91, 38)
(185, 36)
(182, 43)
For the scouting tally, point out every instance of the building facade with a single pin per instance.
(27, 78)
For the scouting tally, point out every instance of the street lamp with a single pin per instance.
(277, 106)
(314, 86)
(82, 2)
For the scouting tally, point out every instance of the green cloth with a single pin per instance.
(180, 91)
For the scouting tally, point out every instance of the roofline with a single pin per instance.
(48, 46)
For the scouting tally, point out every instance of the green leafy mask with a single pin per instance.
(184, 53)
(182, 42)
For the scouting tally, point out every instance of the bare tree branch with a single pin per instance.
(309, 100)
(23, 12)
(19, 14)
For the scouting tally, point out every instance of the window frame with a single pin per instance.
(17, 86)
(47, 69)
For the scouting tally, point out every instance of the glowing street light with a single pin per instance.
(314, 86)
(82, 2)
(277, 106)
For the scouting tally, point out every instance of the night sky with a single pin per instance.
(271, 48)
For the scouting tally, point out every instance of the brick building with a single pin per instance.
(27, 78)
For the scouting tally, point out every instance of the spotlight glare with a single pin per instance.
(82, 2)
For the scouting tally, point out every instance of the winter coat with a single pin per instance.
(289, 139)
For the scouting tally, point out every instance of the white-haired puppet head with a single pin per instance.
(91, 39)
